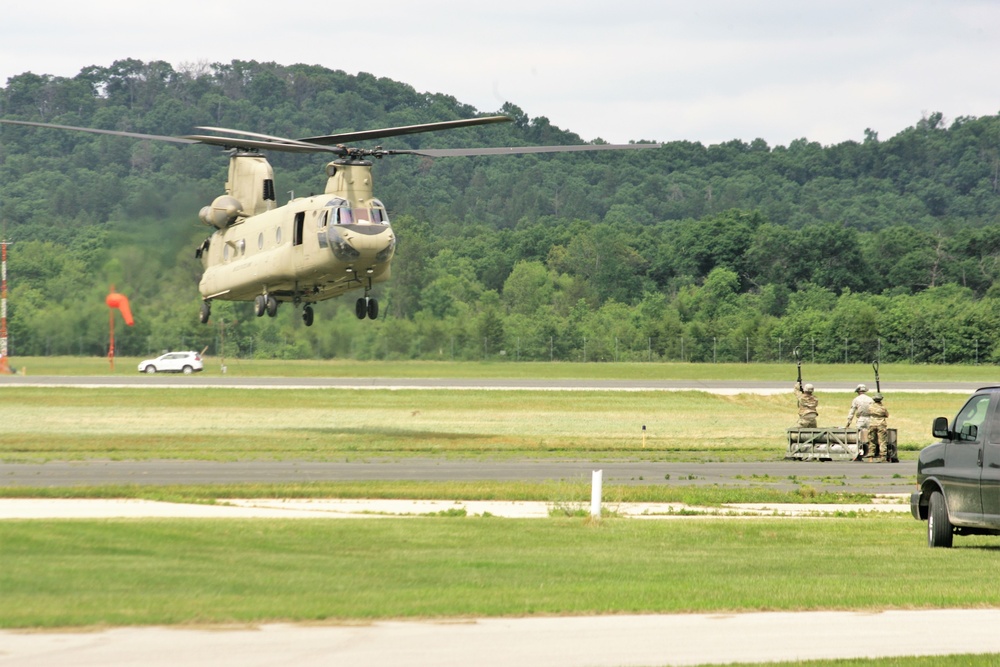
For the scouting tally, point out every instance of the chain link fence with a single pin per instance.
(709, 349)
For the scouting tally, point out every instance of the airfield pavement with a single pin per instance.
(587, 641)
(56, 508)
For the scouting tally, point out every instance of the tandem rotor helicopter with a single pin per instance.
(312, 248)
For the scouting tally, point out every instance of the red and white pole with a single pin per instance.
(4, 366)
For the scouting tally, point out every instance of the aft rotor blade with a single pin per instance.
(115, 133)
(347, 137)
(516, 150)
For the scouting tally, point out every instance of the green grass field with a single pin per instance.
(41, 424)
(122, 572)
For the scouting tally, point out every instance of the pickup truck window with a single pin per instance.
(973, 414)
(993, 429)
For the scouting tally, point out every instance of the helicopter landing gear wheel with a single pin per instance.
(206, 312)
(272, 306)
(259, 305)
(366, 306)
(307, 315)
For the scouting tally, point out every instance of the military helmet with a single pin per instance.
(808, 388)
(877, 398)
(861, 389)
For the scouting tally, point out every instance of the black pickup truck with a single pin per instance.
(959, 476)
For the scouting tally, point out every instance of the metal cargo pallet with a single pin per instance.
(825, 444)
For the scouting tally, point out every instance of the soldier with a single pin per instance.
(859, 408)
(878, 430)
(807, 405)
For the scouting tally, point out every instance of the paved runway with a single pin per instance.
(565, 384)
(837, 476)
(593, 641)
(336, 508)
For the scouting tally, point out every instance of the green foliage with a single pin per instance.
(730, 252)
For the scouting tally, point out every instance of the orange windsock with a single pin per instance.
(120, 301)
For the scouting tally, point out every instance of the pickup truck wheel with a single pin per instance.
(939, 531)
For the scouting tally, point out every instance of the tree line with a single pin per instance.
(688, 252)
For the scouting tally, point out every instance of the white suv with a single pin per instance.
(173, 362)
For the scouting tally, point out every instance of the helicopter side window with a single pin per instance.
(225, 253)
(260, 241)
(277, 235)
(300, 221)
(378, 214)
(241, 247)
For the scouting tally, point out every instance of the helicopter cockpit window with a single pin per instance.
(345, 216)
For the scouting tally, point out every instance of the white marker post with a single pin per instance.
(595, 494)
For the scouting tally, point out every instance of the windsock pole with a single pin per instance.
(111, 346)
(119, 302)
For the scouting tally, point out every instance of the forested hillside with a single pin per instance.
(888, 247)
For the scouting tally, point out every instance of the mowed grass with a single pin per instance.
(962, 660)
(225, 424)
(816, 373)
(124, 572)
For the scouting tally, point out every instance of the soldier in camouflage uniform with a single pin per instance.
(859, 408)
(808, 404)
(878, 430)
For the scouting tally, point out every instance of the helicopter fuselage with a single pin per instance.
(311, 249)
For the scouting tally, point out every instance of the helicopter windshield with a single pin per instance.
(343, 214)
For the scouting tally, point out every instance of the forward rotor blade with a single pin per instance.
(115, 133)
(347, 137)
(238, 142)
(515, 150)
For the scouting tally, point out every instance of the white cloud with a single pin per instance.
(634, 69)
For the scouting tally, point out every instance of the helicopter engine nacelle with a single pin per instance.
(223, 211)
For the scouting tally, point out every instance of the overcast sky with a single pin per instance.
(699, 70)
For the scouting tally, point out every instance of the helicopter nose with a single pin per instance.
(357, 242)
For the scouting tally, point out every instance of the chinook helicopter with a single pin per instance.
(312, 248)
